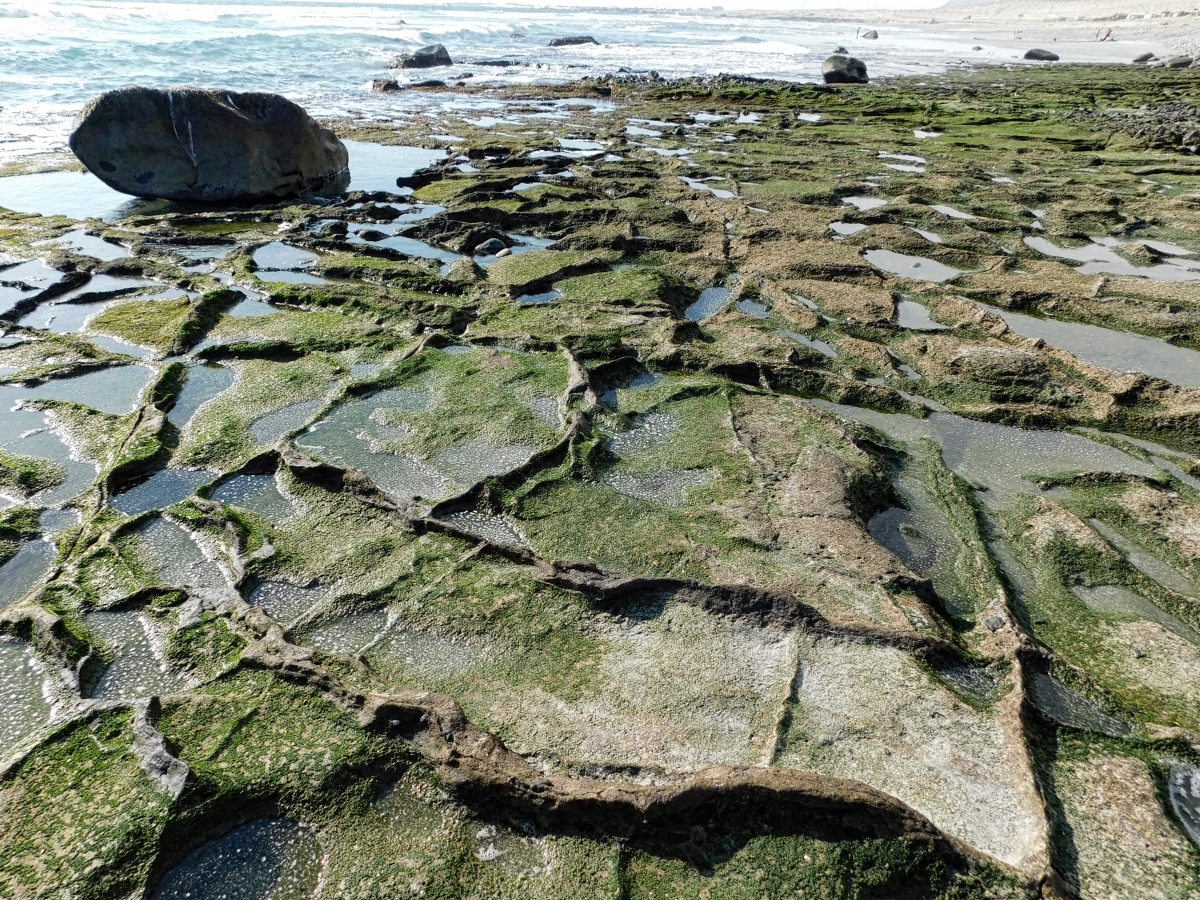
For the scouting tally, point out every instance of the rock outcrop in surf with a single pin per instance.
(431, 57)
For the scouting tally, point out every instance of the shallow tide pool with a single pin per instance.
(1112, 349)
(268, 859)
(113, 390)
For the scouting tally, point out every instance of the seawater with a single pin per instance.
(57, 54)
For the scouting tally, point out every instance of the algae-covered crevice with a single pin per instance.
(604, 522)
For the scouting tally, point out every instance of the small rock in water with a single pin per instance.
(839, 69)
(430, 83)
(976, 47)
(239, 146)
(574, 41)
(386, 86)
(1041, 55)
(426, 58)
(491, 247)
(871, 35)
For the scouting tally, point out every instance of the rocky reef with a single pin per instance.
(728, 489)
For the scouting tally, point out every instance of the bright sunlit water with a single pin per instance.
(57, 54)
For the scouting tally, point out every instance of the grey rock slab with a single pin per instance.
(192, 144)
(168, 772)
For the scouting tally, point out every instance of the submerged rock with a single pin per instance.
(871, 35)
(574, 41)
(193, 144)
(840, 69)
(426, 58)
(1041, 55)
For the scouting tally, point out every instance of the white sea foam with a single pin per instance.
(57, 54)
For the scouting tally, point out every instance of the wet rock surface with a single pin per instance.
(586, 517)
(191, 144)
(839, 69)
(431, 57)
(576, 41)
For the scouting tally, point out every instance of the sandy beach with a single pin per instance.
(1069, 28)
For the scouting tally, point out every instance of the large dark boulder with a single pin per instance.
(192, 144)
(840, 69)
(1041, 55)
(574, 41)
(426, 58)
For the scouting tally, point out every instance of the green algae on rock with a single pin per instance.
(719, 574)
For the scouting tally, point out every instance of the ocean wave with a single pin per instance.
(56, 54)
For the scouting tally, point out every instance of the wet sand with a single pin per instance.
(1067, 28)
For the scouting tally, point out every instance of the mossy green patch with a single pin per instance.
(149, 323)
(542, 266)
(83, 814)
(17, 524)
(26, 475)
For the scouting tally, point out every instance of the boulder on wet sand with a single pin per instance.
(1041, 55)
(840, 69)
(574, 41)
(207, 145)
(426, 58)
(871, 35)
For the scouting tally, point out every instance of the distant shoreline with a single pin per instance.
(1069, 23)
